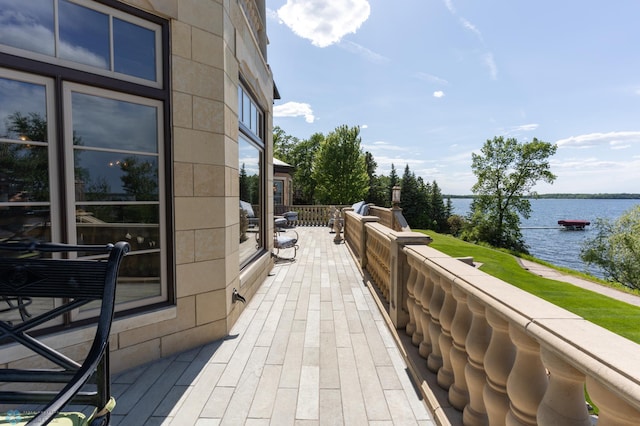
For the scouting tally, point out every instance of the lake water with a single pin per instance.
(547, 241)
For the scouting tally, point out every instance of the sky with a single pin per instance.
(430, 81)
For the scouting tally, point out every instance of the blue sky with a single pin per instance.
(429, 81)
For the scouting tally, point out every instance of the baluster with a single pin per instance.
(434, 362)
(477, 342)
(445, 374)
(418, 335)
(498, 362)
(563, 402)
(613, 410)
(426, 346)
(459, 392)
(528, 380)
(411, 285)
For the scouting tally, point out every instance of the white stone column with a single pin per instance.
(445, 374)
(434, 361)
(528, 380)
(426, 346)
(613, 410)
(475, 413)
(411, 299)
(564, 401)
(498, 361)
(459, 391)
(417, 336)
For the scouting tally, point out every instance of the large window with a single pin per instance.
(84, 35)
(251, 175)
(82, 155)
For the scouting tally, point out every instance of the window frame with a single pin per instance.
(112, 11)
(43, 67)
(251, 128)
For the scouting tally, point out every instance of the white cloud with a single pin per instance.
(431, 78)
(613, 139)
(468, 25)
(324, 22)
(521, 128)
(294, 109)
(380, 146)
(487, 58)
(438, 94)
(491, 64)
(367, 54)
(364, 126)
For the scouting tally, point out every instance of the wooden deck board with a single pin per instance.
(311, 347)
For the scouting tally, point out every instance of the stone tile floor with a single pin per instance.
(310, 348)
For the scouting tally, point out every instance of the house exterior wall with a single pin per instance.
(212, 44)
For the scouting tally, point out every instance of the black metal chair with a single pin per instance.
(37, 270)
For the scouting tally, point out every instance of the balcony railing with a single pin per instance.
(498, 354)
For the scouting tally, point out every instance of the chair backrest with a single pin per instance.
(74, 276)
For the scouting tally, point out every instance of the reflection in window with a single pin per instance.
(278, 192)
(134, 50)
(117, 171)
(101, 122)
(28, 25)
(85, 36)
(250, 209)
(103, 179)
(24, 163)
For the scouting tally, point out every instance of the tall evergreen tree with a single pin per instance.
(414, 206)
(439, 214)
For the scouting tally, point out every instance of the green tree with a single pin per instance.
(303, 155)
(25, 166)
(284, 145)
(439, 212)
(616, 248)
(507, 172)
(339, 168)
(394, 180)
(414, 202)
(379, 192)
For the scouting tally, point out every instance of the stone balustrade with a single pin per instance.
(500, 356)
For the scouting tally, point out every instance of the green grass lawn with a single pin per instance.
(616, 316)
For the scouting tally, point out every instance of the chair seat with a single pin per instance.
(14, 418)
(283, 242)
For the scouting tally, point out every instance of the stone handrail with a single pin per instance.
(499, 355)
(386, 218)
(309, 215)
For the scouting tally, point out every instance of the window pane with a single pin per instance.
(84, 35)
(250, 210)
(113, 176)
(246, 110)
(134, 50)
(278, 192)
(137, 224)
(108, 123)
(24, 175)
(27, 25)
(23, 114)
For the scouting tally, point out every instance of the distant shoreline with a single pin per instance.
(620, 196)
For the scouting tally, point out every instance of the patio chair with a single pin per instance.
(283, 240)
(36, 271)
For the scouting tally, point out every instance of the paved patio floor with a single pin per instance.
(310, 348)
